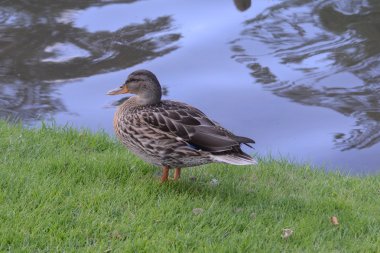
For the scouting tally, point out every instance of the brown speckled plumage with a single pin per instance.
(172, 134)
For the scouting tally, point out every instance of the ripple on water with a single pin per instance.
(311, 47)
(62, 52)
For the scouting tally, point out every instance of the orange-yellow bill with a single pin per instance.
(121, 90)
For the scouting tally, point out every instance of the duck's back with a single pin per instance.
(173, 134)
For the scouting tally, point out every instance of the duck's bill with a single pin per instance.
(120, 90)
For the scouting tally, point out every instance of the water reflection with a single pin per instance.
(311, 52)
(40, 47)
(242, 5)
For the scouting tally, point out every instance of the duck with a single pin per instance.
(171, 134)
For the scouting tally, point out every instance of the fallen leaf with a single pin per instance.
(334, 220)
(197, 211)
(286, 233)
(252, 216)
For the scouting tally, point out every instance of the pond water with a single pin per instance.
(301, 77)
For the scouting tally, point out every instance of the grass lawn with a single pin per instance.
(72, 191)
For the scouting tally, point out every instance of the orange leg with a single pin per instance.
(165, 174)
(177, 173)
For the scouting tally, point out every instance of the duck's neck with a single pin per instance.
(133, 102)
(148, 99)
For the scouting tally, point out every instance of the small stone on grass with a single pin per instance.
(286, 233)
(198, 211)
(214, 182)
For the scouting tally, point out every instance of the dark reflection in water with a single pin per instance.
(242, 5)
(39, 46)
(307, 44)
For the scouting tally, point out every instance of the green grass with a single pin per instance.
(73, 191)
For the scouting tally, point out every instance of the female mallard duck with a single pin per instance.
(172, 134)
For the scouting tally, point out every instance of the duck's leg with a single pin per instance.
(165, 174)
(177, 173)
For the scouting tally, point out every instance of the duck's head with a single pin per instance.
(144, 84)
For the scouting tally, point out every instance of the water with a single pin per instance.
(300, 77)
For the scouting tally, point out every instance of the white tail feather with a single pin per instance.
(234, 159)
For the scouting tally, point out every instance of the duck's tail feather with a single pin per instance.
(236, 159)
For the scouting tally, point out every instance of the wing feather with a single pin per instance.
(191, 125)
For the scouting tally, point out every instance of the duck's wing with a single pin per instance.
(186, 123)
